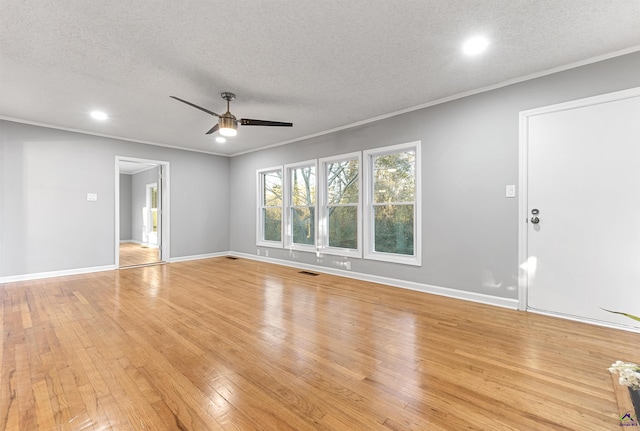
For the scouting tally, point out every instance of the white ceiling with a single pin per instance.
(322, 65)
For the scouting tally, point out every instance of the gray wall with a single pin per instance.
(46, 222)
(139, 183)
(125, 207)
(469, 154)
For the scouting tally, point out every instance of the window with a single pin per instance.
(269, 229)
(340, 219)
(301, 206)
(392, 204)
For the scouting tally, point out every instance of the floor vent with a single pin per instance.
(313, 274)
(232, 257)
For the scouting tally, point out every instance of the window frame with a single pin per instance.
(288, 206)
(323, 207)
(260, 241)
(369, 206)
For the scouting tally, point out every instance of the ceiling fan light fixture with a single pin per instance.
(228, 132)
(228, 125)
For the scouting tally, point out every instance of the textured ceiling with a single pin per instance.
(319, 64)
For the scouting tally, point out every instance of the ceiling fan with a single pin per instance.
(227, 122)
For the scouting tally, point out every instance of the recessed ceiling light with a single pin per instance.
(99, 115)
(475, 45)
(221, 140)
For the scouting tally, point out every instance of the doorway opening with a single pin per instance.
(142, 215)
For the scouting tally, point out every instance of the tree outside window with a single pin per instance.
(270, 204)
(392, 212)
(303, 205)
(394, 202)
(342, 203)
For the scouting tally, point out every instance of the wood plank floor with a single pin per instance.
(132, 254)
(223, 344)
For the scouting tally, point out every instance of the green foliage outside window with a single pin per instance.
(393, 227)
(342, 197)
(303, 196)
(394, 202)
(272, 205)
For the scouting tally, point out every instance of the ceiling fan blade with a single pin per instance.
(250, 122)
(195, 106)
(213, 129)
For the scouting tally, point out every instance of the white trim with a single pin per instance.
(287, 203)
(440, 101)
(50, 274)
(586, 320)
(453, 97)
(165, 203)
(394, 282)
(322, 191)
(524, 116)
(104, 135)
(199, 256)
(259, 222)
(368, 242)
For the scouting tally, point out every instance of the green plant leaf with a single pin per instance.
(631, 316)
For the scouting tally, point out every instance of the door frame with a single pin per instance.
(523, 208)
(164, 209)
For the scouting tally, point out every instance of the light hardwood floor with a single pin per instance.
(132, 254)
(223, 344)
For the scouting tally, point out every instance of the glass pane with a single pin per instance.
(342, 182)
(154, 197)
(343, 227)
(394, 177)
(272, 219)
(303, 225)
(394, 229)
(303, 181)
(272, 193)
(154, 220)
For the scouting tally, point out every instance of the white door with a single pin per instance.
(581, 164)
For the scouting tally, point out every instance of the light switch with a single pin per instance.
(92, 197)
(510, 191)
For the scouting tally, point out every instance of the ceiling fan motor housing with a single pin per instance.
(228, 121)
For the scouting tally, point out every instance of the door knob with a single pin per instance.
(534, 213)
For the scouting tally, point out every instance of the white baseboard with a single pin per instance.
(39, 275)
(420, 287)
(199, 256)
(585, 320)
